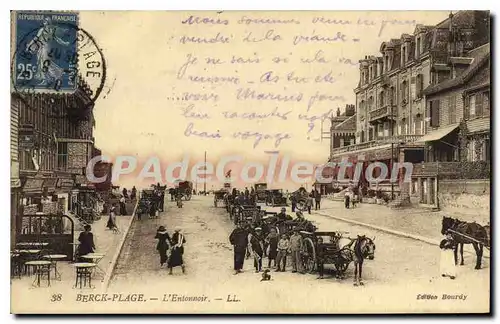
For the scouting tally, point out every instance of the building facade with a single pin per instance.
(393, 112)
(54, 144)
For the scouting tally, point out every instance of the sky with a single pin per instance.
(303, 64)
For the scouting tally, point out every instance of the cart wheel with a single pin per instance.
(187, 196)
(309, 256)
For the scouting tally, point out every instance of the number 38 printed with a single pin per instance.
(26, 71)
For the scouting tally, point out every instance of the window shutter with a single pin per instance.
(479, 105)
(437, 113)
(486, 104)
(466, 107)
(452, 109)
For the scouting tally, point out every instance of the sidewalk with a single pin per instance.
(106, 243)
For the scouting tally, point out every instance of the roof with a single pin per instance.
(480, 55)
(347, 125)
(438, 134)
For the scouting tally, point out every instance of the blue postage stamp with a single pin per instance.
(46, 57)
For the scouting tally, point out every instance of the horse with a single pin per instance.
(358, 250)
(470, 230)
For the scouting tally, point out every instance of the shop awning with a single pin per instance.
(33, 185)
(438, 134)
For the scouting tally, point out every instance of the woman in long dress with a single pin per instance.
(86, 240)
(112, 218)
(163, 244)
(447, 264)
(176, 255)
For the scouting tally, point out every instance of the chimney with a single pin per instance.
(338, 112)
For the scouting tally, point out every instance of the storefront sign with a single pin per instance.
(26, 141)
(66, 183)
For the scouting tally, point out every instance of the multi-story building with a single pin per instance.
(55, 142)
(392, 112)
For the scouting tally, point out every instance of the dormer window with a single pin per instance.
(403, 54)
(417, 48)
(382, 98)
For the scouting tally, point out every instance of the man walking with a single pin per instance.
(296, 248)
(317, 199)
(239, 239)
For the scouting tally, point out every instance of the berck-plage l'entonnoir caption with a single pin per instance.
(86, 298)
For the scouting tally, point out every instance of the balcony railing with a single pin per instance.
(397, 139)
(381, 112)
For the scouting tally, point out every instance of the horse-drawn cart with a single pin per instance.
(275, 197)
(185, 189)
(220, 198)
(300, 198)
(260, 192)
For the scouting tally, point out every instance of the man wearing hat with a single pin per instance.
(257, 245)
(239, 239)
(296, 249)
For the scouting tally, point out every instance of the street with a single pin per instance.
(402, 272)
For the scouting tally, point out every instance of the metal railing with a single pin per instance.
(377, 142)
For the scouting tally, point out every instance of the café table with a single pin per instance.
(55, 258)
(84, 273)
(96, 258)
(27, 255)
(41, 267)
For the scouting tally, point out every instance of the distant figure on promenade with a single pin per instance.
(163, 244)
(123, 207)
(310, 203)
(347, 198)
(239, 240)
(317, 199)
(112, 218)
(133, 194)
(125, 193)
(86, 240)
(176, 255)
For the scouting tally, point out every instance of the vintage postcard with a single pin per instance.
(244, 162)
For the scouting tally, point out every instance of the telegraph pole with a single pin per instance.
(392, 143)
(205, 182)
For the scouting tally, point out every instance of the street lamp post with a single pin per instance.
(205, 182)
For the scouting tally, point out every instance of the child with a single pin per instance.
(320, 257)
(447, 265)
(272, 246)
(283, 247)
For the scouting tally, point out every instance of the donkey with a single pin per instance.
(472, 230)
(364, 248)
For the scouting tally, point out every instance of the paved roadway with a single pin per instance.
(402, 269)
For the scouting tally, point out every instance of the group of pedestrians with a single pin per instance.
(171, 249)
(252, 243)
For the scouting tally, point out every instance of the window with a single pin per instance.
(370, 102)
(386, 63)
(404, 92)
(434, 113)
(452, 106)
(62, 156)
(471, 151)
(420, 85)
(417, 48)
(393, 95)
(472, 106)
(382, 99)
